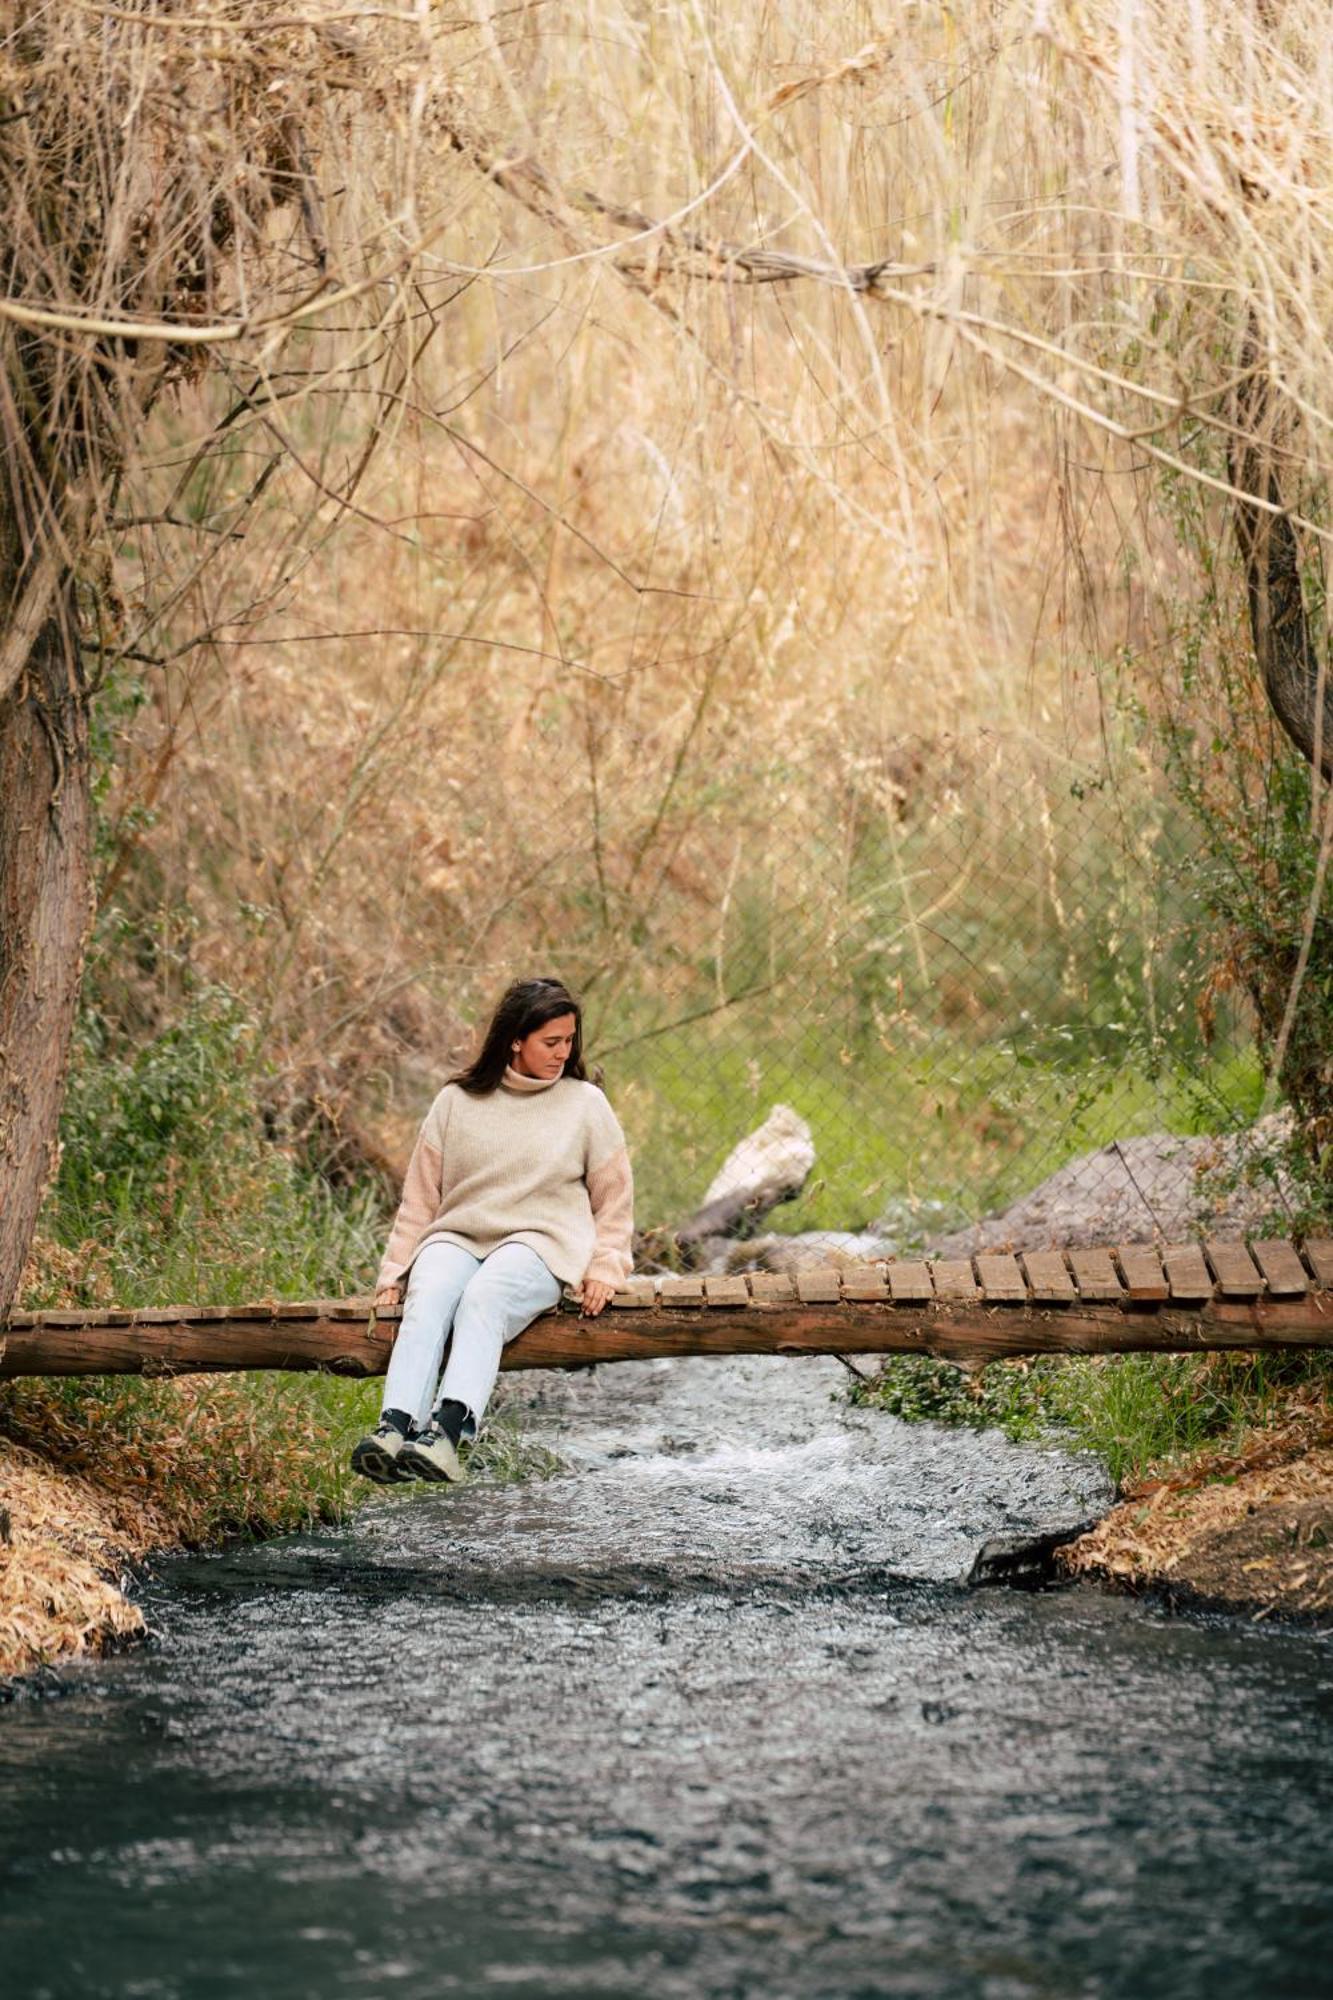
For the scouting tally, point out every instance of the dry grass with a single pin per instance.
(96, 1475)
(65, 1540)
(666, 510)
(1252, 1526)
(654, 554)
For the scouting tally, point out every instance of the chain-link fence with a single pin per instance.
(962, 962)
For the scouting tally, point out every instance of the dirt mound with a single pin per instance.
(1279, 1558)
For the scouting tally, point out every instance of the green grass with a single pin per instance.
(282, 1235)
(938, 1136)
(1134, 1411)
(170, 1192)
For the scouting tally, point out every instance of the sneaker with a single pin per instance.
(378, 1456)
(431, 1454)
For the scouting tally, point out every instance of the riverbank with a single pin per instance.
(97, 1474)
(1223, 1465)
(62, 1544)
(100, 1473)
(1248, 1531)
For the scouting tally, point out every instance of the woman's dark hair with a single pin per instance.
(524, 1007)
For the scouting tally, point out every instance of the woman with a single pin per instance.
(519, 1182)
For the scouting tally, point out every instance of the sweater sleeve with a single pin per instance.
(611, 1194)
(423, 1197)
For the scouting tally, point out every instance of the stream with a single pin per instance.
(711, 1713)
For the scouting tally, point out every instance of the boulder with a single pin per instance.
(1159, 1188)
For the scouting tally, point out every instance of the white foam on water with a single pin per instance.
(814, 1460)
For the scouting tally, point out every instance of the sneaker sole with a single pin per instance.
(422, 1467)
(372, 1461)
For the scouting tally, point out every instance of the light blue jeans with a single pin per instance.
(484, 1301)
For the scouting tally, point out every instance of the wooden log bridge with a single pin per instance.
(1186, 1298)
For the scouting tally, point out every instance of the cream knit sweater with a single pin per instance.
(540, 1161)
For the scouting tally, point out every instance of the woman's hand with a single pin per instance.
(389, 1295)
(593, 1295)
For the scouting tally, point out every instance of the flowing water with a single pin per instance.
(709, 1714)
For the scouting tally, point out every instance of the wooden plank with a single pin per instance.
(771, 1288)
(862, 1283)
(978, 1332)
(1095, 1274)
(1141, 1269)
(954, 1282)
(730, 1290)
(1319, 1256)
(1237, 1275)
(1048, 1276)
(681, 1292)
(818, 1286)
(1186, 1272)
(635, 1295)
(1284, 1273)
(909, 1283)
(1000, 1279)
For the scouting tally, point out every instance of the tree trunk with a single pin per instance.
(1301, 698)
(1271, 554)
(139, 174)
(45, 827)
(1278, 624)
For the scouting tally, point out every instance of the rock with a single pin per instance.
(800, 1253)
(1157, 1188)
(909, 1221)
(1023, 1562)
(770, 1166)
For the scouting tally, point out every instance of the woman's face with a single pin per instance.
(545, 1051)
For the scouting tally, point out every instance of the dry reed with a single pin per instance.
(797, 394)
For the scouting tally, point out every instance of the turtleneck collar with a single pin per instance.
(527, 1085)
